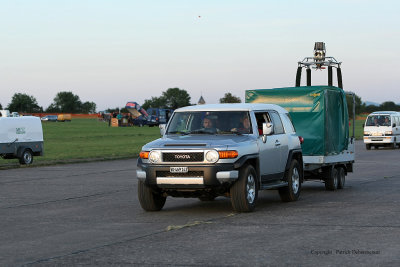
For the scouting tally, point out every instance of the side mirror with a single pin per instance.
(162, 129)
(363, 125)
(394, 125)
(268, 128)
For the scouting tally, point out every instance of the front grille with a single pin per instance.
(183, 157)
(187, 174)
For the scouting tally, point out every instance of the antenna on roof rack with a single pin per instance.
(319, 61)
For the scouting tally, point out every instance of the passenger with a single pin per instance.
(245, 127)
(387, 122)
(376, 122)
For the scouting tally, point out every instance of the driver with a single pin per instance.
(207, 123)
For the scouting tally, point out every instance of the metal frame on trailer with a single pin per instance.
(319, 61)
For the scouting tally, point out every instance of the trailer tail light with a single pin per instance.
(144, 154)
(229, 154)
(301, 139)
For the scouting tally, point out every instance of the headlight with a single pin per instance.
(367, 133)
(388, 133)
(212, 156)
(154, 156)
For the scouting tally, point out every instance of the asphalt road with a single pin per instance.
(88, 214)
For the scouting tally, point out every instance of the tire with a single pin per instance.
(393, 145)
(150, 200)
(341, 177)
(26, 157)
(331, 182)
(368, 146)
(244, 191)
(292, 191)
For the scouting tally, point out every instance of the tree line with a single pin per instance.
(63, 102)
(172, 98)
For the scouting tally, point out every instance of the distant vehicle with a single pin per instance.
(158, 116)
(14, 114)
(139, 121)
(4, 113)
(21, 138)
(382, 128)
(50, 118)
(64, 117)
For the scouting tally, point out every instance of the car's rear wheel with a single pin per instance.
(292, 191)
(244, 191)
(149, 199)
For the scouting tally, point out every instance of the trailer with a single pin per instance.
(320, 115)
(21, 138)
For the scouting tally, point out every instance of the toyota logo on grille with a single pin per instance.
(182, 156)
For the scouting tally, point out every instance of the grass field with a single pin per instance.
(89, 139)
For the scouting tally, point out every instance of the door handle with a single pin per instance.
(277, 143)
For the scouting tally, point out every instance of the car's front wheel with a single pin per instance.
(244, 191)
(149, 199)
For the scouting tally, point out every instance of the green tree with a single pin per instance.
(24, 103)
(154, 102)
(389, 105)
(66, 102)
(176, 98)
(88, 107)
(229, 98)
(360, 106)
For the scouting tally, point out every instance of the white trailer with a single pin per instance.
(21, 138)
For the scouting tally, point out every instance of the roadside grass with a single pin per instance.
(90, 139)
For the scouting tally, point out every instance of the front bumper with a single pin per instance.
(379, 139)
(198, 176)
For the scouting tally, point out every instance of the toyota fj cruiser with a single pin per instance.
(230, 150)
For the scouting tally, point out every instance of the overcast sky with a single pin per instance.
(111, 52)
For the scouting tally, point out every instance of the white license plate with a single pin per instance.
(178, 169)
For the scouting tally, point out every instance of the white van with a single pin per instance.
(382, 128)
(21, 138)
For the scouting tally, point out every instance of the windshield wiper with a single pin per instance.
(201, 132)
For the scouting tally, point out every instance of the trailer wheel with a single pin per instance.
(150, 200)
(368, 146)
(26, 157)
(331, 182)
(244, 191)
(341, 177)
(292, 191)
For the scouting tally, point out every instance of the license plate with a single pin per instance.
(178, 169)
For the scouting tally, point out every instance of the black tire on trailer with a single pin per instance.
(368, 146)
(149, 199)
(26, 157)
(244, 191)
(331, 182)
(292, 191)
(341, 177)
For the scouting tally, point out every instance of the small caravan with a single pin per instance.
(21, 138)
(382, 128)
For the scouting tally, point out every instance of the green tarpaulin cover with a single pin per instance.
(319, 114)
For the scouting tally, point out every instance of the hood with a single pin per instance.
(197, 141)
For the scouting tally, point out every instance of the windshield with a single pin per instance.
(378, 120)
(210, 122)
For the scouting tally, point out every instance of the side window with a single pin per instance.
(276, 120)
(262, 117)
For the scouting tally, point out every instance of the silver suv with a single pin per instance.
(230, 150)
